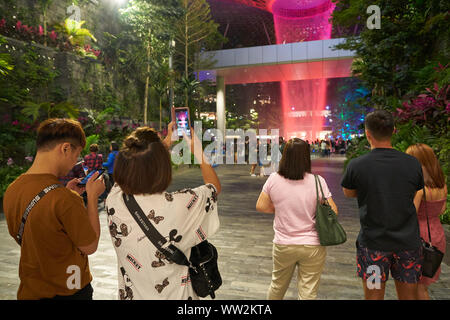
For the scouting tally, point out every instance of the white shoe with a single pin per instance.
(253, 175)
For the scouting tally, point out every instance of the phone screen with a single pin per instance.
(183, 122)
(85, 179)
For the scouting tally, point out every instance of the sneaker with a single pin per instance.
(253, 175)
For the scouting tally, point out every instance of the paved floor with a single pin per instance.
(244, 243)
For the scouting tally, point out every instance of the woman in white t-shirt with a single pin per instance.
(186, 217)
(291, 195)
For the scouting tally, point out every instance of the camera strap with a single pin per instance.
(171, 252)
(30, 206)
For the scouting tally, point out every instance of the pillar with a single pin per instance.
(220, 105)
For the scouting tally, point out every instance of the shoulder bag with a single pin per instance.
(203, 269)
(330, 231)
(432, 256)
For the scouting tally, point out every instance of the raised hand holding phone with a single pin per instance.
(182, 119)
(95, 187)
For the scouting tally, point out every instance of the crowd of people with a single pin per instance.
(329, 146)
(62, 231)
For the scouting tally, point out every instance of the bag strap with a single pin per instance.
(170, 251)
(316, 177)
(426, 213)
(30, 206)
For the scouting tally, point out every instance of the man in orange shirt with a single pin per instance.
(59, 232)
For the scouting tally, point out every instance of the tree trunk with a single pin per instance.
(160, 114)
(186, 60)
(147, 82)
(45, 27)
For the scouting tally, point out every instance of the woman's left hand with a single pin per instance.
(168, 140)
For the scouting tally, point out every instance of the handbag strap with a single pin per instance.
(321, 190)
(170, 251)
(30, 206)
(426, 214)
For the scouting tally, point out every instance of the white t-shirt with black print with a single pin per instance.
(186, 218)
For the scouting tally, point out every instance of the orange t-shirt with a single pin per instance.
(56, 226)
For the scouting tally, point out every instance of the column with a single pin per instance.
(220, 105)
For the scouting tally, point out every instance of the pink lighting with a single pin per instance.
(297, 21)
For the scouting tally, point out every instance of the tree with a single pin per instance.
(397, 59)
(45, 4)
(151, 23)
(161, 78)
(194, 31)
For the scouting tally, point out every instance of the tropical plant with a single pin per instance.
(76, 34)
(50, 110)
(431, 109)
(161, 78)
(396, 60)
(5, 61)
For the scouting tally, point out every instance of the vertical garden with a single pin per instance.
(112, 65)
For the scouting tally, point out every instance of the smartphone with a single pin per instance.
(182, 120)
(85, 179)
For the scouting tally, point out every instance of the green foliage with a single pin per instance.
(395, 59)
(76, 34)
(7, 176)
(359, 146)
(17, 140)
(445, 217)
(89, 141)
(50, 110)
(5, 60)
(31, 80)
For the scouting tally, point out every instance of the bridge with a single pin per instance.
(282, 62)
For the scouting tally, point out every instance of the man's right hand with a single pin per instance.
(95, 187)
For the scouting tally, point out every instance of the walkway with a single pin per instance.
(244, 243)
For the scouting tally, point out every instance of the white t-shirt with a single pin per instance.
(185, 218)
(295, 203)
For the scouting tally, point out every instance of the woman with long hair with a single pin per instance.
(434, 206)
(291, 195)
(185, 218)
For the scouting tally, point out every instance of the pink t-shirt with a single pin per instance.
(295, 208)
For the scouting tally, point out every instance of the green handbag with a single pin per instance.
(330, 231)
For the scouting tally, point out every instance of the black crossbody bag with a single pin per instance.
(432, 256)
(203, 269)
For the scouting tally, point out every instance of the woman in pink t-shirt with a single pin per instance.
(291, 195)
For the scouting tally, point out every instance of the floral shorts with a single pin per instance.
(405, 266)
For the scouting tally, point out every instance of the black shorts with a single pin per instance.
(83, 294)
(405, 265)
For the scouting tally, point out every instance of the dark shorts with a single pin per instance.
(84, 294)
(405, 266)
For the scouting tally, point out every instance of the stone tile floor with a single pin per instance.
(244, 243)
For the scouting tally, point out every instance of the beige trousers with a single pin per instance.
(310, 261)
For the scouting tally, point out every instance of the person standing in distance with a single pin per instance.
(385, 182)
(109, 164)
(60, 232)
